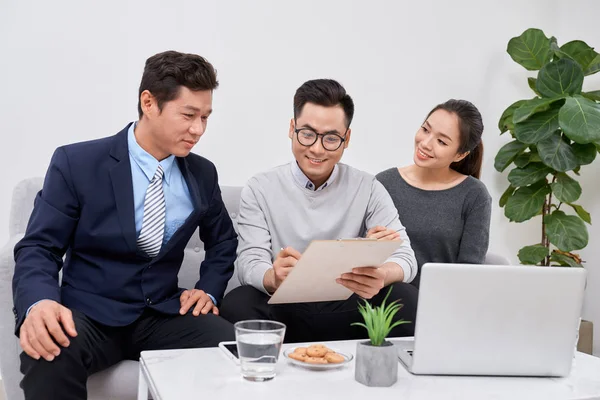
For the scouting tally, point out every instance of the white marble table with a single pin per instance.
(209, 374)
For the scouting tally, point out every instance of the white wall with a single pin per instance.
(578, 20)
(70, 72)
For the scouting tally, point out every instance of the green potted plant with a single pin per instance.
(377, 358)
(554, 134)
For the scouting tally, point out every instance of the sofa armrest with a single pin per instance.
(10, 349)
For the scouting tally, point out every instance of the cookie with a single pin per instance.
(297, 356)
(300, 350)
(334, 358)
(315, 360)
(316, 351)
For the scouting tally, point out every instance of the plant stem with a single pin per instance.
(545, 261)
(545, 211)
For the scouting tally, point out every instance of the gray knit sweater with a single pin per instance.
(449, 226)
(276, 211)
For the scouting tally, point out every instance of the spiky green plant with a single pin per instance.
(378, 320)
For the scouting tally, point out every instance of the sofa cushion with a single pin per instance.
(194, 251)
(120, 380)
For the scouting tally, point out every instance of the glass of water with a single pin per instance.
(259, 344)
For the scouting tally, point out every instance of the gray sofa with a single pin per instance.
(120, 381)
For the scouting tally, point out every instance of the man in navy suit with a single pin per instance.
(122, 210)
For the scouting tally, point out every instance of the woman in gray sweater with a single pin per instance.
(440, 199)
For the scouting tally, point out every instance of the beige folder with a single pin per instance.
(313, 277)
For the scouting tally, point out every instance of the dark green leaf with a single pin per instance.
(530, 107)
(584, 215)
(580, 52)
(576, 170)
(525, 158)
(566, 189)
(505, 196)
(597, 146)
(594, 95)
(557, 153)
(506, 120)
(558, 52)
(533, 254)
(585, 153)
(560, 78)
(522, 160)
(526, 202)
(594, 66)
(556, 49)
(529, 175)
(579, 118)
(531, 49)
(531, 83)
(564, 260)
(538, 126)
(507, 154)
(567, 232)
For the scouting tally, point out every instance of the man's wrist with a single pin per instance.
(393, 273)
(269, 280)
(33, 305)
(212, 298)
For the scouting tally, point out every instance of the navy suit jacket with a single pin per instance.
(85, 210)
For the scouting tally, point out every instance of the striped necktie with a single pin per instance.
(153, 224)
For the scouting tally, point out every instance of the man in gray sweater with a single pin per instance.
(316, 198)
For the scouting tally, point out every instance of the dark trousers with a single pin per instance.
(320, 321)
(97, 347)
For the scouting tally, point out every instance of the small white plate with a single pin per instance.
(347, 359)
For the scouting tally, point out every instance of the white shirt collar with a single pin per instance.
(306, 183)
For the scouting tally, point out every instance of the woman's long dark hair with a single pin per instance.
(470, 126)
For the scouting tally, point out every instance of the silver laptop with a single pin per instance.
(495, 320)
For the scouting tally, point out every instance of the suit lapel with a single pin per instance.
(120, 175)
(192, 184)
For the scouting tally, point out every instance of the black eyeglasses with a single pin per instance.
(330, 141)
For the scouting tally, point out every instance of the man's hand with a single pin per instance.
(42, 325)
(282, 266)
(382, 233)
(364, 281)
(198, 297)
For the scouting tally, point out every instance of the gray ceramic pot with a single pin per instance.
(376, 365)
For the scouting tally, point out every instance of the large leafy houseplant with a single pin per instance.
(554, 133)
